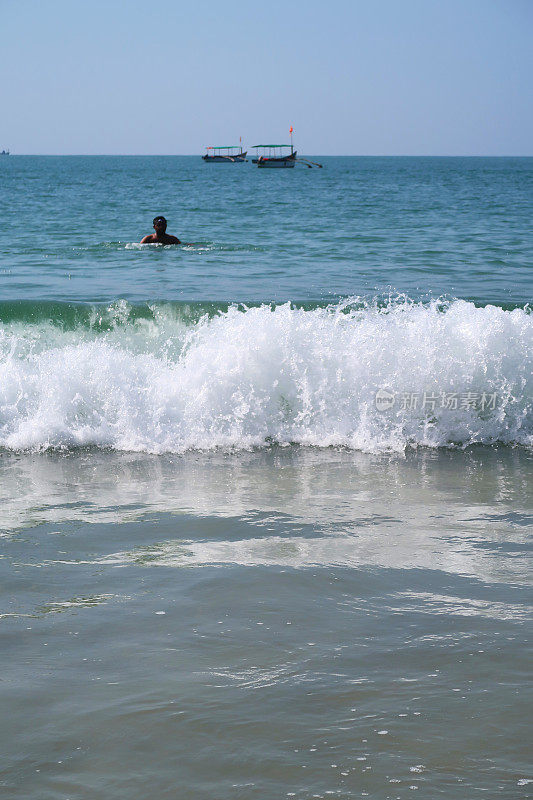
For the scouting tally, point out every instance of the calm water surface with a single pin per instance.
(454, 226)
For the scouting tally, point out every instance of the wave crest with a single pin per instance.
(248, 377)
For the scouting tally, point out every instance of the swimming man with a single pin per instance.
(160, 236)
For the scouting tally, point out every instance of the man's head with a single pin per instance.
(160, 224)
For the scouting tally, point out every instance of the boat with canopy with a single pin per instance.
(273, 156)
(232, 154)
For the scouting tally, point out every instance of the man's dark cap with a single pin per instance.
(158, 219)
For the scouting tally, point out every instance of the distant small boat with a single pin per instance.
(225, 155)
(272, 156)
(4, 153)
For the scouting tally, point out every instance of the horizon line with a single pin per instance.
(321, 155)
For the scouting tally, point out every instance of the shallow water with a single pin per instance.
(285, 623)
(229, 568)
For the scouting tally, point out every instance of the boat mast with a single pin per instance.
(290, 131)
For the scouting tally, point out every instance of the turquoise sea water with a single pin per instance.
(453, 226)
(265, 498)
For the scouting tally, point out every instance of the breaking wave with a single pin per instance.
(169, 379)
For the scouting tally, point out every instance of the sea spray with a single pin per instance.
(244, 377)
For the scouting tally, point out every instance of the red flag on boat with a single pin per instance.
(290, 129)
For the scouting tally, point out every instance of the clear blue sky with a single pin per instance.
(353, 76)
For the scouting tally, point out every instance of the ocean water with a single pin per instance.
(265, 498)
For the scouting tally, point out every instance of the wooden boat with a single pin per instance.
(225, 155)
(273, 157)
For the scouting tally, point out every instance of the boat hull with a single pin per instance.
(283, 162)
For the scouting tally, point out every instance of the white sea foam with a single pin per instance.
(250, 376)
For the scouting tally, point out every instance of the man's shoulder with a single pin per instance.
(172, 239)
(147, 239)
